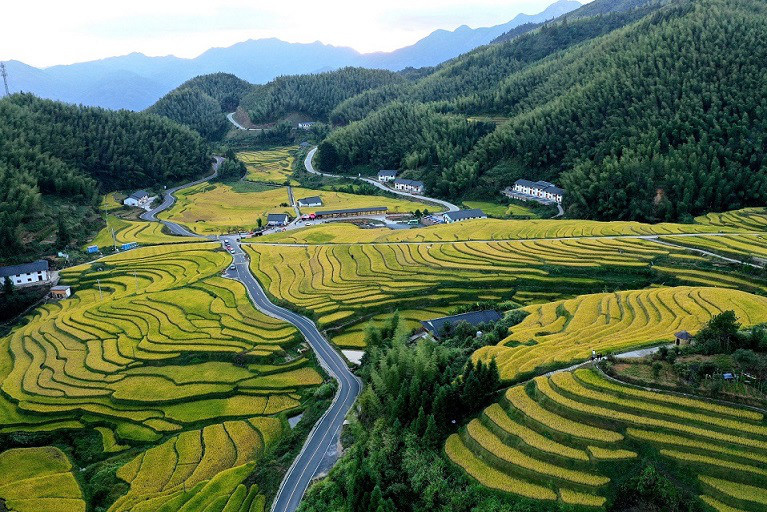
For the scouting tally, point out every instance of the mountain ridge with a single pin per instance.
(136, 81)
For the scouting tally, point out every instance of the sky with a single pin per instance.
(48, 32)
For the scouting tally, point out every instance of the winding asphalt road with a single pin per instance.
(323, 434)
(320, 439)
(310, 168)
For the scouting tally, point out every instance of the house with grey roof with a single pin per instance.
(438, 327)
(462, 215)
(32, 273)
(386, 175)
(277, 219)
(138, 198)
(412, 186)
(310, 201)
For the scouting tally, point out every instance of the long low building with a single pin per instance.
(461, 215)
(539, 190)
(351, 212)
(439, 326)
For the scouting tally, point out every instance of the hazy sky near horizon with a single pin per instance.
(47, 32)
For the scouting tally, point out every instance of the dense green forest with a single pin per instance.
(200, 103)
(56, 158)
(313, 96)
(641, 110)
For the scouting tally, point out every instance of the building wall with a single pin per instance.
(22, 279)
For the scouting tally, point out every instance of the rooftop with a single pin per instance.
(412, 183)
(24, 268)
(139, 194)
(387, 172)
(60, 288)
(311, 200)
(465, 214)
(354, 210)
(437, 325)
(277, 217)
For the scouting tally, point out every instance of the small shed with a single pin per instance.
(683, 337)
(61, 292)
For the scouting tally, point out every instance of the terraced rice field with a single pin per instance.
(199, 469)
(489, 229)
(342, 282)
(151, 353)
(566, 437)
(742, 247)
(128, 231)
(38, 480)
(752, 219)
(564, 332)
(270, 166)
(224, 208)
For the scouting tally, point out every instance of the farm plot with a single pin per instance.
(128, 231)
(270, 166)
(566, 437)
(38, 480)
(332, 200)
(339, 283)
(216, 208)
(199, 468)
(743, 247)
(563, 332)
(147, 344)
(752, 219)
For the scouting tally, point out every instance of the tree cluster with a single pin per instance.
(314, 95)
(54, 159)
(200, 103)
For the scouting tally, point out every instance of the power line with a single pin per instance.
(4, 73)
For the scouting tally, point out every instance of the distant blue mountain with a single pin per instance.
(136, 81)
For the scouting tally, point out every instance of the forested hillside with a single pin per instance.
(55, 158)
(653, 113)
(313, 96)
(201, 102)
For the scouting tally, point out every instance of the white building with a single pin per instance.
(459, 216)
(385, 176)
(26, 273)
(277, 219)
(138, 198)
(539, 190)
(310, 201)
(412, 186)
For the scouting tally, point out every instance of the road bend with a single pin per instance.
(323, 434)
(169, 199)
(310, 168)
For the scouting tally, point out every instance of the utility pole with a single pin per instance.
(4, 73)
(101, 295)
